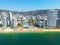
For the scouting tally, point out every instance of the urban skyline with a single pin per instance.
(45, 21)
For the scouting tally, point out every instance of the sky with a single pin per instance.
(29, 5)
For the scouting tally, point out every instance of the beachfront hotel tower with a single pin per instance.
(52, 19)
(10, 19)
(4, 19)
(14, 22)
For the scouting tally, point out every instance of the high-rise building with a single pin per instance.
(4, 22)
(52, 17)
(10, 19)
(14, 22)
(4, 19)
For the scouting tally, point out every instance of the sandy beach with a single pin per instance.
(28, 30)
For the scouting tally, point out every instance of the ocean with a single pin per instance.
(30, 38)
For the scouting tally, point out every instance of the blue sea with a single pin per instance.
(30, 38)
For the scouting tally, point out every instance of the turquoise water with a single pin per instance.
(43, 38)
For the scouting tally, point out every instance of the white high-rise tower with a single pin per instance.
(10, 16)
(4, 19)
(52, 17)
(14, 21)
(10, 19)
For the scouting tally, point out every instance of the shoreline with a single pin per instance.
(29, 30)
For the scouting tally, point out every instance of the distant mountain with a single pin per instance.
(37, 12)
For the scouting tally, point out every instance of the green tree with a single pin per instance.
(0, 25)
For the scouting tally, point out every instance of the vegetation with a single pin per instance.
(58, 27)
(0, 25)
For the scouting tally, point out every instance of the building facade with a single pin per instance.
(52, 18)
